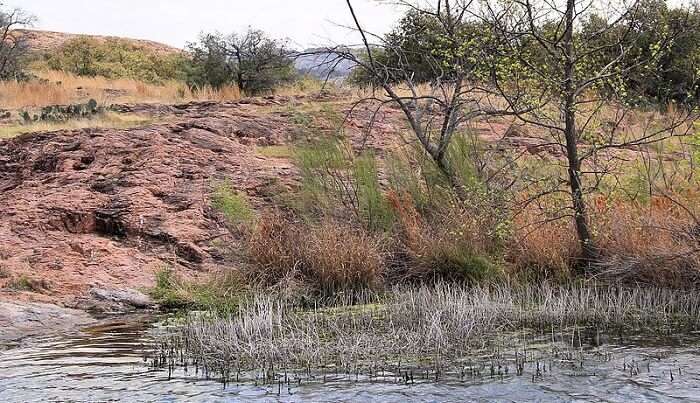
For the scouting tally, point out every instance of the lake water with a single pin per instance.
(107, 363)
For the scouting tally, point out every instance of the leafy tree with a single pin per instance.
(421, 47)
(13, 48)
(669, 73)
(559, 64)
(252, 61)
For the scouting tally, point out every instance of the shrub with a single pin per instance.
(329, 256)
(116, 59)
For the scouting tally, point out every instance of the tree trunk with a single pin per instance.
(455, 182)
(588, 249)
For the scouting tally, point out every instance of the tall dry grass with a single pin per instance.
(328, 256)
(654, 243)
(60, 88)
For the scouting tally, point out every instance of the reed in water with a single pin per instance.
(410, 325)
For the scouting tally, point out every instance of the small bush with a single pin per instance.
(25, 283)
(329, 256)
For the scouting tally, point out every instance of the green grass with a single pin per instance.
(221, 293)
(232, 204)
(333, 176)
(281, 151)
(371, 200)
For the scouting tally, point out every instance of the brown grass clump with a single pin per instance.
(654, 243)
(328, 255)
(455, 244)
(540, 248)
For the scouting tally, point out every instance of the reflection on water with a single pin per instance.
(106, 363)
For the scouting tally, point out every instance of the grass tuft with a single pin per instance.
(232, 204)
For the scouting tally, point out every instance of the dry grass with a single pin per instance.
(541, 248)
(652, 243)
(434, 326)
(328, 255)
(105, 120)
(59, 88)
(454, 244)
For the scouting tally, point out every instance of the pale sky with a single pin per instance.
(175, 22)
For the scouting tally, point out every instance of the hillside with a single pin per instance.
(45, 41)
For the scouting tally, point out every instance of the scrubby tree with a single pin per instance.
(432, 68)
(13, 47)
(253, 61)
(564, 72)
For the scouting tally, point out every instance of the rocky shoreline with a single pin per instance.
(21, 320)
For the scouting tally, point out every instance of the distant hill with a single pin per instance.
(46, 41)
(316, 65)
(322, 65)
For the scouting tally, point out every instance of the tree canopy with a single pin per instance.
(253, 61)
(13, 48)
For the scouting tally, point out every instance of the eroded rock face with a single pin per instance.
(105, 209)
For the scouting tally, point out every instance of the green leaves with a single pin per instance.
(115, 59)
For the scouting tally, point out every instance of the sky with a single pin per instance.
(175, 22)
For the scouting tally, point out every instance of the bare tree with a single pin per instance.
(560, 78)
(436, 110)
(12, 45)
